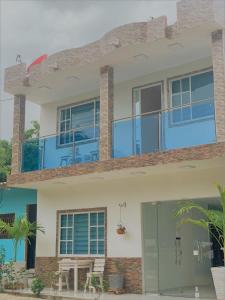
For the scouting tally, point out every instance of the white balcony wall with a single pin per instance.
(122, 94)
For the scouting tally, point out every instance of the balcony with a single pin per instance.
(180, 127)
(62, 150)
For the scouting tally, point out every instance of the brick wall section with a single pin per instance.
(193, 13)
(18, 132)
(131, 268)
(190, 14)
(218, 55)
(45, 265)
(106, 112)
(14, 77)
(152, 159)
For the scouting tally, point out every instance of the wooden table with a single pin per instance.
(75, 264)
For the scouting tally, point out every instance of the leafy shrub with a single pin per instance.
(37, 286)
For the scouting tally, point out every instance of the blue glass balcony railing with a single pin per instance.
(181, 127)
(61, 150)
(184, 127)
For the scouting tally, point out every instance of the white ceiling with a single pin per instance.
(129, 63)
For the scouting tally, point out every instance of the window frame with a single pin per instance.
(190, 105)
(70, 107)
(79, 212)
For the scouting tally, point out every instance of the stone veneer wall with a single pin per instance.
(106, 112)
(218, 56)
(132, 268)
(190, 14)
(209, 151)
(18, 132)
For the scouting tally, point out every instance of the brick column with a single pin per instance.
(106, 112)
(218, 58)
(18, 132)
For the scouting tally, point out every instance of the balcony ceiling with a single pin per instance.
(128, 63)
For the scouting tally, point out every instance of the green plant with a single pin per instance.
(2, 263)
(210, 219)
(20, 229)
(37, 286)
(96, 283)
(10, 273)
(53, 278)
(5, 159)
(34, 131)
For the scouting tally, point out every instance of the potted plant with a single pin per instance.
(210, 220)
(121, 229)
(116, 279)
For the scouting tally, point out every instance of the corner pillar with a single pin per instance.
(218, 58)
(106, 112)
(18, 132)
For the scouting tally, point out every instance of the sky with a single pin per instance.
(35, 27)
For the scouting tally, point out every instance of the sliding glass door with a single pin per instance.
(177, 259)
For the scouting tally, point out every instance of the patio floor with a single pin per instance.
(27, 295)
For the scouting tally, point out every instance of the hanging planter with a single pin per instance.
(121, 229)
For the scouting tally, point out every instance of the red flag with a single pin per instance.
(37, 61)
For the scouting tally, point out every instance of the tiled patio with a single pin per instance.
(81, 296)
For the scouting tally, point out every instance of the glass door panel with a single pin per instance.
(150, 247)
(177, 259)
(147, 105)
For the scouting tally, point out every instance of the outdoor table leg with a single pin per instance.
(60, 280)
(75, 279)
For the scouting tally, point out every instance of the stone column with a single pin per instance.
(18, 132)
(106, 112)
(218, 58)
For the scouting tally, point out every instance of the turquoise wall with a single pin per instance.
(14, 200)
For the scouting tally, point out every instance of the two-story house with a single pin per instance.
(130, 124)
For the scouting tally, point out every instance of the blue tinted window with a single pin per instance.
(185, 85)
(202, 86)
(82, 119)
(93, 247)
(63, 220)
(176, 100)
(186, 98)
(194, 95)
(177, 115)
(176, 86)
(82, 233)
(62, 247)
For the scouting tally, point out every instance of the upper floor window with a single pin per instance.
(79, 122)
(192, 97)
(82, 233)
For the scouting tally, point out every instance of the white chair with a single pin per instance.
(98, 273)
(64, 273)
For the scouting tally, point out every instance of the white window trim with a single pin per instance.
(78, 213)
(171, 108)
(183, 77)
